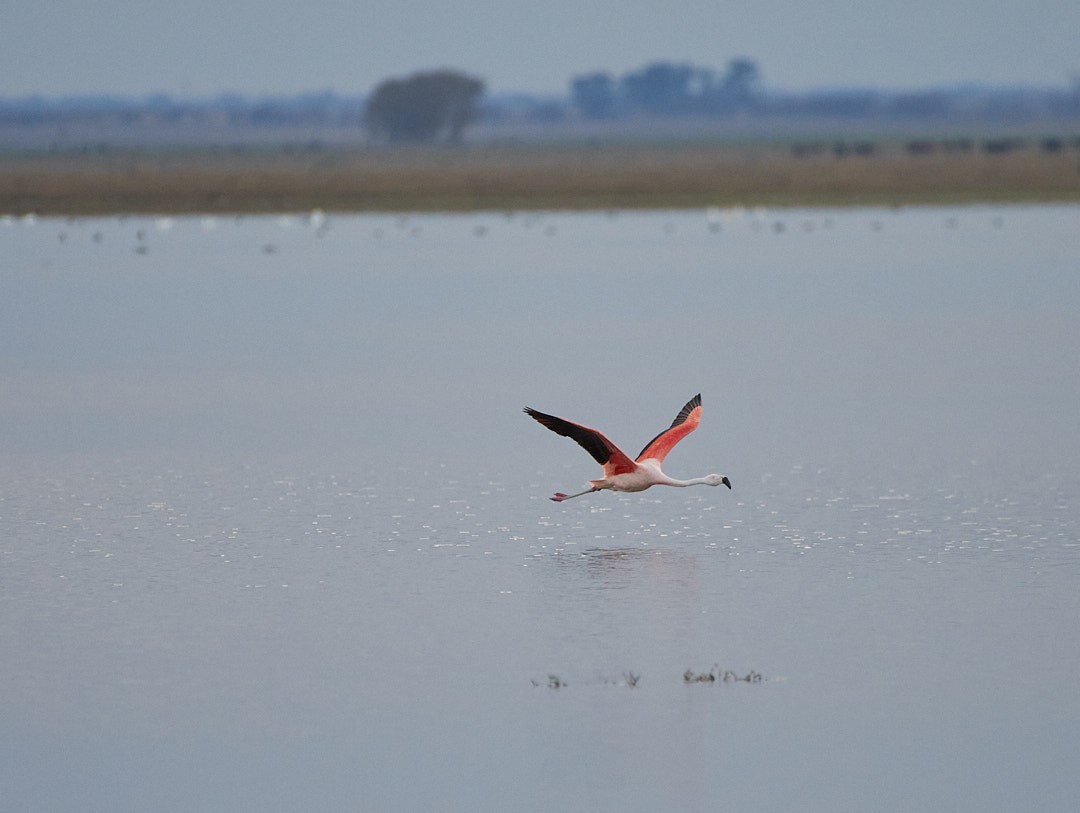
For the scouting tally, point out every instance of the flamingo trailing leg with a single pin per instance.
(620, 472)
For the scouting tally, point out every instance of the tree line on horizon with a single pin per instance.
(439, 105)
(668, 89)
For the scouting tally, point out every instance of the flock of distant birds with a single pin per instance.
(715, 221)
(946, 146)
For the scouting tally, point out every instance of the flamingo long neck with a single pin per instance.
(693, 481)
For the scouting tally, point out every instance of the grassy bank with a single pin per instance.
(498, 178)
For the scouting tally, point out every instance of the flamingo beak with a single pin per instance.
(726, 482)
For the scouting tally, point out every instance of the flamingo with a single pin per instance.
(620, 472)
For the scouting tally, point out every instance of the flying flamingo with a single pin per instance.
(620, 472)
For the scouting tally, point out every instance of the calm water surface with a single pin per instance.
(274, 532)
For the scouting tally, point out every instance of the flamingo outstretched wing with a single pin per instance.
(604, 452)
(685, 422)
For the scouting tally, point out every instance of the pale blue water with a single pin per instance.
(274, 531)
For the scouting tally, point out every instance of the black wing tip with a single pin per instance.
(684, 413)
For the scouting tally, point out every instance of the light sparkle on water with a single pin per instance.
(267, 516)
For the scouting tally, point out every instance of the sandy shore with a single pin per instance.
(497, 178)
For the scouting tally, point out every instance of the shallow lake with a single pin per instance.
(275, 535)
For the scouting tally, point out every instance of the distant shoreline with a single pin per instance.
(511, 177)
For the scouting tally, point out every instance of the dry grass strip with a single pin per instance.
(519, 178)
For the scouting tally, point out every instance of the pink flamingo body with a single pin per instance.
(620, 472)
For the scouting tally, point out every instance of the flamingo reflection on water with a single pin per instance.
(620, 472)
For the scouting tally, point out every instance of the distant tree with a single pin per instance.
(423, 107)
(595, 95)
(737, 90)
(669, 88)
(660, 87)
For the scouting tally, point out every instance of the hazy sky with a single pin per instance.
(198, 48)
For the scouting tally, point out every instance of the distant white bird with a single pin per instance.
(620, 472)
